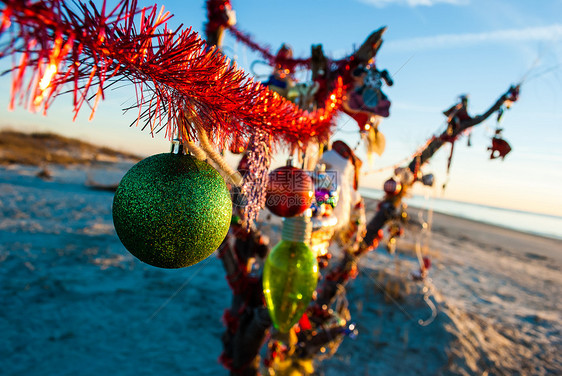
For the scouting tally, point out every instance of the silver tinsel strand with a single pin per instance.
(255, 181)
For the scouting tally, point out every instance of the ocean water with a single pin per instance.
(527, 222)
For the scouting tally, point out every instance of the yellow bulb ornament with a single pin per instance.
(290, 274)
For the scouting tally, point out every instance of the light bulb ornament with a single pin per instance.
(290, 274)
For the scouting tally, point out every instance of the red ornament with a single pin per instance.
(499, 148)
(392, 187)
(304, 322)
(238, 145)
(426, 262)
(289, 192)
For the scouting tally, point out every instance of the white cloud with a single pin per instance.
(413, 3)
(544, 33)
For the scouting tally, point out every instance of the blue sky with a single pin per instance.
(436, 50)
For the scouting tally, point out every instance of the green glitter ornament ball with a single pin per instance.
(172, 210)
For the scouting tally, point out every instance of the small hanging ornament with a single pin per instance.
(377, 141)
(395, 231)
(321, 195)
(172, 210)
(325, 187)
(500, 147)
(326, 196)
(281, 80)
(290, 191)
(365, 97)
(290, 274)
(421, 273)
(238, 144)
(392, 187)
(426, 262)
(253, 167)
(428, 180)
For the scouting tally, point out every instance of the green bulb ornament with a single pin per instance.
(290, 274)
(172, 210)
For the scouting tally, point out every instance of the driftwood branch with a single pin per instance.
(434, 145)
(247, 320)
(389, 208)
(370, 47)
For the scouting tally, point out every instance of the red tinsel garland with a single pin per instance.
(217, 17)
(175, 73)
(272, 59)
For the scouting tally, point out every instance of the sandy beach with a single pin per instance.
(76, 302)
